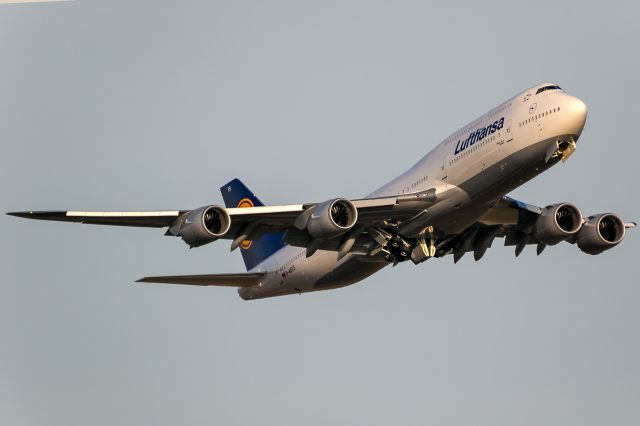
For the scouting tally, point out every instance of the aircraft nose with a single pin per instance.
(577, 116)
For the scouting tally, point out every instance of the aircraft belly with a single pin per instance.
(321, 271)
(349, 272)
(293, 277)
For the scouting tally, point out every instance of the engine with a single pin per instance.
(557, 223)
(600, 232)
(332, 218)
(204, 225)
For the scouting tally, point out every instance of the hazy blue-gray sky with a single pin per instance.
(153, 105)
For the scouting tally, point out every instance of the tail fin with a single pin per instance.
(236, 194)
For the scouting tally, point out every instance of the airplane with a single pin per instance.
(452, 201)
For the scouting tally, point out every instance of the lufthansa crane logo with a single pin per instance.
(245, 202)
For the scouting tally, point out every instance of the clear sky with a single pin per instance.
(152, 105)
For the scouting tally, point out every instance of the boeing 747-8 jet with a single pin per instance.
(452, 201)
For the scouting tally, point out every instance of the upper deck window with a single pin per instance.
(542, 89)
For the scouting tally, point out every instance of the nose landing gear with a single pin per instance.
(562, 149)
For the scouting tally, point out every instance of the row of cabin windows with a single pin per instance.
(465, 131)
(418, 182)
(535, 118)
(502, 108)
(290, 261)
(471, 149)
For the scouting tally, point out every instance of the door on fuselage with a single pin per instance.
(443, 171)
(508, 132)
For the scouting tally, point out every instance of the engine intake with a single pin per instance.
(557, 223)
(204, 225)
(600, 232)
(332, 218)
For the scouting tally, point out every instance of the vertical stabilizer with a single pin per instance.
(236, 194)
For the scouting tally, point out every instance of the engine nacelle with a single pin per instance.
(332, 218)
(204, 225)
(557, 223)
(600, 232)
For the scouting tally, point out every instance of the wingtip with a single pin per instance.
(40, 215)
(19, 214)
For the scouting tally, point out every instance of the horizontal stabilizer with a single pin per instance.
(225, 280)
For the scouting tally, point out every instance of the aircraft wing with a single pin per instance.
(279, 216)
(515, 221)
(378, 219)
(252, 222)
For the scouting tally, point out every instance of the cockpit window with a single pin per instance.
(542, 89)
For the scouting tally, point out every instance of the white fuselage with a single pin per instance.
(483, 161)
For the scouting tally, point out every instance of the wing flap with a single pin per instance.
(224, 280)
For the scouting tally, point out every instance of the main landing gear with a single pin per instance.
(400, 249)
